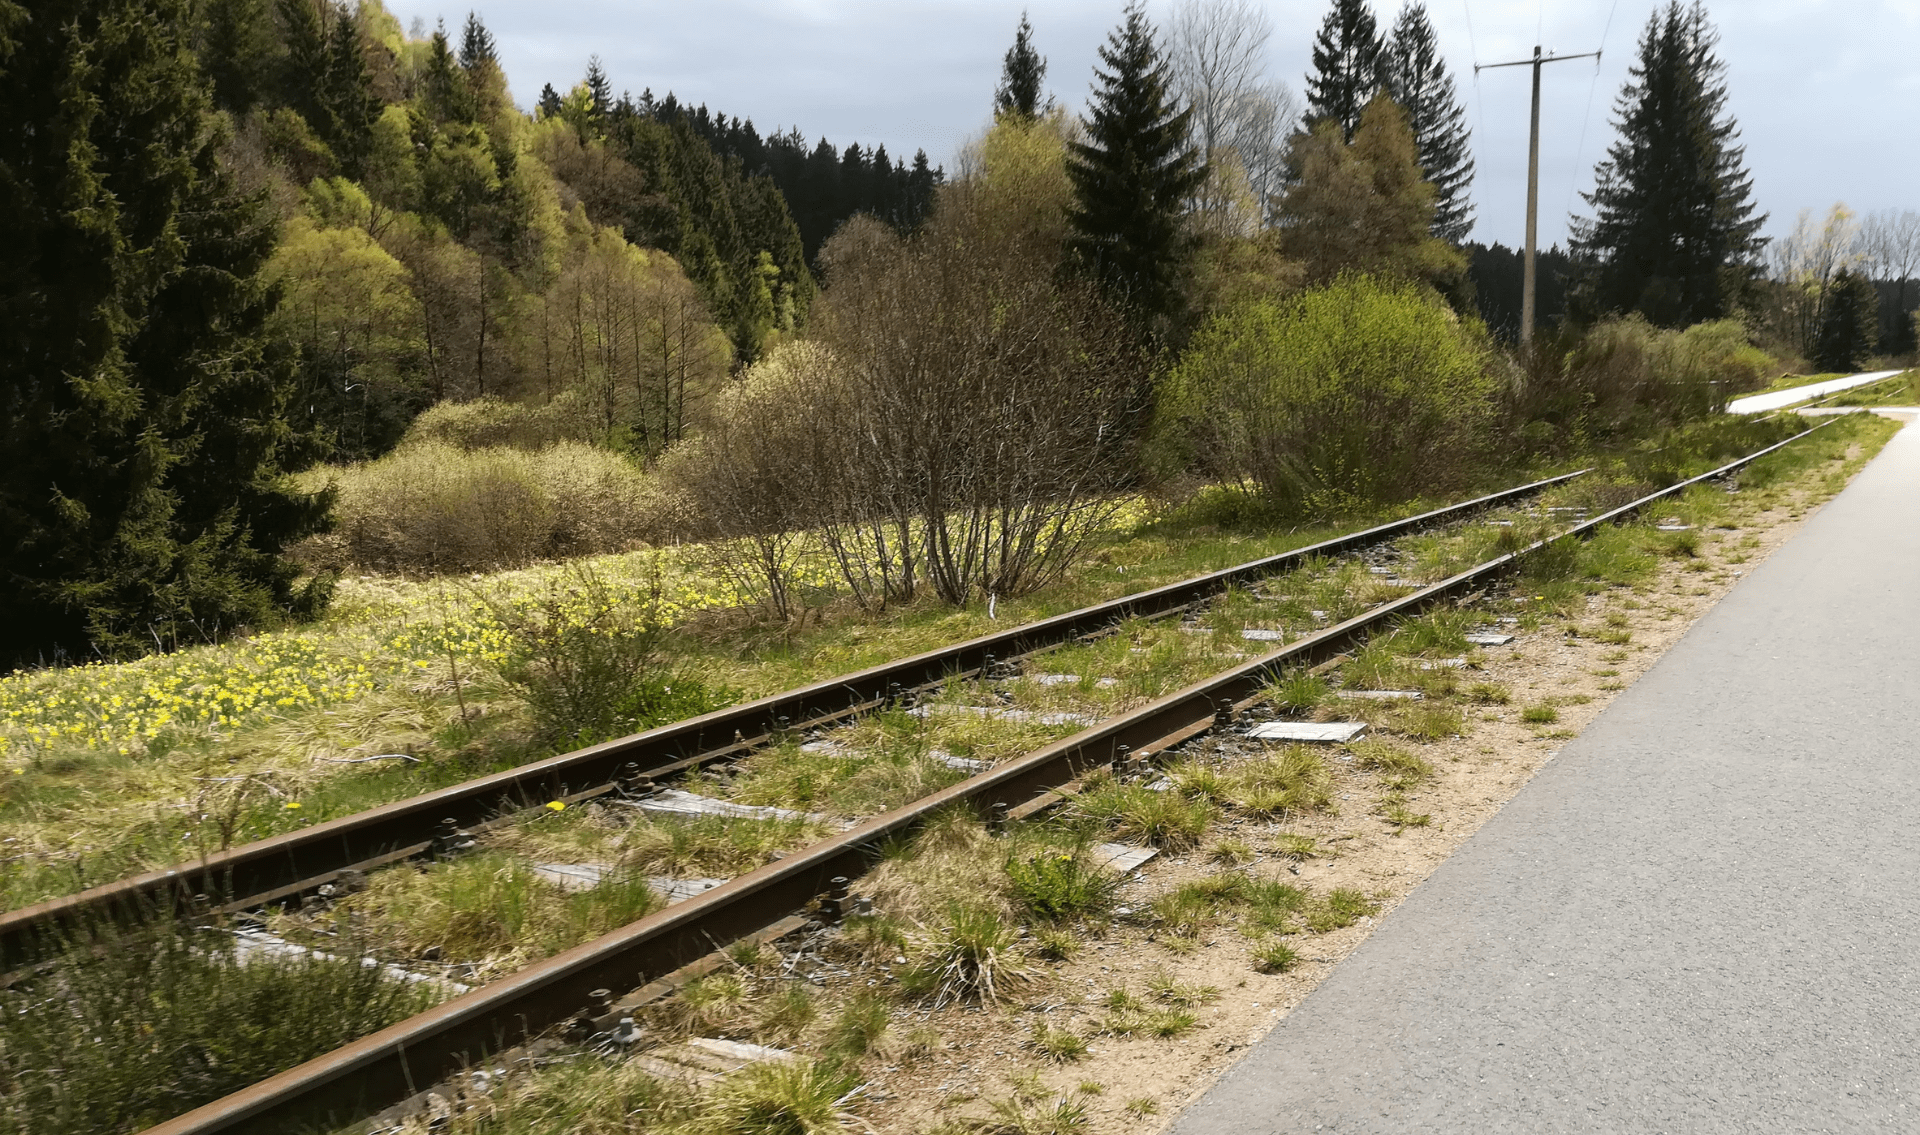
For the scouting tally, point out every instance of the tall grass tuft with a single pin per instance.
(118, 1038)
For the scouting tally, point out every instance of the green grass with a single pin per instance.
(119, 1039)
(1540, 714)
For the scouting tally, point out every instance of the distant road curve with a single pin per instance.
(1760, 403)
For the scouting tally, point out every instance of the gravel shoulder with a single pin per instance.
(986, 1066)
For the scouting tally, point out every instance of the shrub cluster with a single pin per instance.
(1360, 391)
(956, 423)
(433, 507)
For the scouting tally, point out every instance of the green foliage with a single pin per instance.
(117, 1039)
(1674, 235)
(1415, 74)
(1061, 885)
(798, 1097)
(143, 406)
(1362, 205)
(1849, 326)
(1132, 176)
(1363, 390)
(1022, 73)
(585, 661)
(1347, 65)
(1625, 376)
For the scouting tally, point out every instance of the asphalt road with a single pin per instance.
(1702, 916)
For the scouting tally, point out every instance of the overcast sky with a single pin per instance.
(1824, 92)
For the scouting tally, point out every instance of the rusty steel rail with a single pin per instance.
(285, 866)
(405, 1058)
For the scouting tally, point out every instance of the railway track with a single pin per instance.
(399, 1061)
(283, 868)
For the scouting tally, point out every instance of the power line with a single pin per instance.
(1573, 184)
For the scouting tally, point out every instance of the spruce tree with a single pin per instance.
(304, 70)
(1674, 235)
(599, 88)
(351, 106)
(549, 101)
(1346, 67)
(1022, 72)
(476, 44)
(1132, 177)
(1849, 323)
(1416, 77)
(238, 50)
(446, 97)
(142, 402)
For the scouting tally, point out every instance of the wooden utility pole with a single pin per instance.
(1533, 179)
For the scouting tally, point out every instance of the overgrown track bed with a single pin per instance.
(391, 1064)
(300, 862)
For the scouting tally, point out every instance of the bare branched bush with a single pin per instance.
(959, 419)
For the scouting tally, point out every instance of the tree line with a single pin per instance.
(259, 233)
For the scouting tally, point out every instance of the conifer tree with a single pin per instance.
(304, 72)
(1674, 235)
(1132, 177)
(549, 101)
(476, 44)
(350, 104)
(599, 89)
(1022, 72)
(1849, 323)
(238, 52)
(1346, 67)
(142, 402)
(446, 96)
(1416, 77)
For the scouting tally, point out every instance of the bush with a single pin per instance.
(1057, 886)
(584, 660)
(431, 508)
(1625, 376)
(1360, 391)
(959, 422)
(487, 423)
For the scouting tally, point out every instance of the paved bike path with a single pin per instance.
(1703, 916)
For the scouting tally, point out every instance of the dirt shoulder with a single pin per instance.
(988, 1067)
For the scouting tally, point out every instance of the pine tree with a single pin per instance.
(1416, 78)
(348, 99)
(304, 71)
(142, 402)
(1849, 323)
(239, 52)
(599, 89)
(1346, 67)
(1021, 74)
(1674, 235)
(476, 44)
(1132, 177)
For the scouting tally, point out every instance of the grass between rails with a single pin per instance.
(401, 670)
(967, 919)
